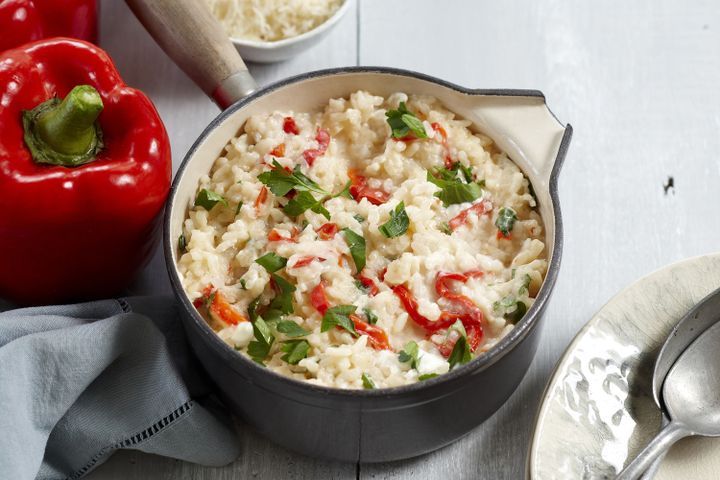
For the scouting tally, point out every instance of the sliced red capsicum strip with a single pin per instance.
(80, 212)
(327, 231)
(480, 208)
(25, 21)
(369, 284)
(323, 139)
(360, 190)
(377, 338)
(218, 307)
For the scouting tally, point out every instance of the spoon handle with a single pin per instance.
(659, 445)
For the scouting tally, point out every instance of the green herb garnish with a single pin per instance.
(511, 308)
(280, 182)
(208, 199)
(272, 262)
(362, 287)
(359, 218)
(259, 348)
(368, 383)
(409, 354)
(506, 220)
(252, 309)
(237, 210)
(356, 243)
(523, 290)
(283, 300)
(455, 191)
(398, 223)
(370, 315)
(302, 202)
(182, 243)
(445, 228)
(402, 121)
(243, 285)
(291, 329)
(339, 316)
(461, 351)
(427, 376)
(295, 350)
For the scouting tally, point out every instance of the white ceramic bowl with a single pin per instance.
(269, 52)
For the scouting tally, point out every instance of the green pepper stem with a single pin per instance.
(65, 132)
(69, 128)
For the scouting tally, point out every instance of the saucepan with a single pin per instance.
(353, 425)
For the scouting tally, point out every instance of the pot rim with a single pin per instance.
(245, 366)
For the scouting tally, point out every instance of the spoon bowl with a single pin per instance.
(691, 395)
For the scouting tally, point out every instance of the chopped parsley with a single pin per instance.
(272, 262)
(402, 121)
(506, 220)
(368, 383)
(259, 348)
(339, 316)
(182, 243)
(283, 299)
(427, 376)
(370, 315)
(455, 191)
(398, 223)
(280, 181)
(356, 244)
(304, 201)
(359, 218)
(461, 351)
(409, 354)
(511, 308)
(291, 329)
(295, 350)
(362, 287)
(208, 199)
(237, 209)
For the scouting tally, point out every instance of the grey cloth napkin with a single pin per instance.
(78, 382)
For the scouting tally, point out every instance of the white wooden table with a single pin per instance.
(639, 81)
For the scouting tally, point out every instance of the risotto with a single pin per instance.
(376, 243)
(271, 20)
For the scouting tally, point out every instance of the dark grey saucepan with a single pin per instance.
(354, 425)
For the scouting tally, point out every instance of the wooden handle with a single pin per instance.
(187, 31)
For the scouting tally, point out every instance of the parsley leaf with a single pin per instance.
(461, 351)
(445, 228)
(304, 201)
(409, 354)
(427, 376)
(454, 191)
(506, 220)
(252, 309)
(280, 182)
(523, 290)
(356, 243)
(359, 218)
(295, 350)
(239, 206)
(291, 329)
(283, 300)
(512, 309)
(370, 315)
(339, 316)
(345, 192)
(398, 223)
(272, 262)
(402, 121)
(182, 243)
(368, 383)
(208, 199)
(259, 348)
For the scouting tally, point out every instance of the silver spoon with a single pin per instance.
(701, 317)
(691, 395)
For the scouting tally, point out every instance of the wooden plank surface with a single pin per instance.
(638, 81)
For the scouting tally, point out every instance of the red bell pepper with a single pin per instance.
(83, 180)
(24, 21)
